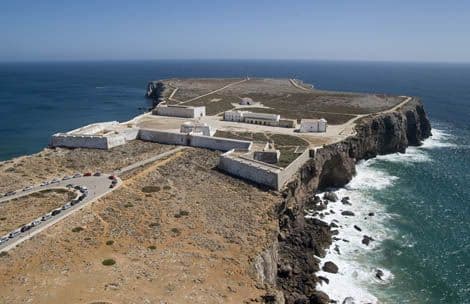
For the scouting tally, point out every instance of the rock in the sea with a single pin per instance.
(331, 196)
(357, 228)
(319, 297)
(324, 279)
(333, 225)
(379, 274)
(349, 300)
(371, 213)
(345, 200)
(347, 213)
(366, 240)
(330, 267)
(284, 271)
(274, 297)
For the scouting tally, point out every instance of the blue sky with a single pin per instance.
(257, 29)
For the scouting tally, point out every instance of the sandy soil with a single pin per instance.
(23, 210)
(178, 230)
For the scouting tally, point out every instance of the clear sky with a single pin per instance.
(393, 30)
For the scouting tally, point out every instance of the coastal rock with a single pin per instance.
(366, 240)
(331, 196)
(334, 166)
(330, 267)
(357, 228)
(323, 279)
(345, 201)
(347, 213)
(274, 297)
(349, 300)
(319, 297)
(379, 274)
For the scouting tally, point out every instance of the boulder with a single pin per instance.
(366, 240)
(319, 297)
(357, 228)
(323, 279)
(347, 213)
(330, 267)
(379, 274)
(349, 300)
(371, 213)
(331, 196)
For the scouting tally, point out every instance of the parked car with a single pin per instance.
(78, 187)
(14, 233)
(46, 217)
(97, 174)
(10, 193)
(55, 212)
(112, 177)
(3, 239)
(69, 186)
(36, 222)
(74, 202)
(77, 175)
(44, 184)
(112, 185)
(81, 197)
(66, 177)
(114, 182)
(25, 228)
(84, 189)
(55, 181)
(27, 188)
(87, 174)
(66, 206)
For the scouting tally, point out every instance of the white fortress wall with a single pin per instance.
(115, 140)
(288, 172)
(79, 141)
(163, 137)
(94, 128)
(219, 143)
(248, 170)
(130, 133)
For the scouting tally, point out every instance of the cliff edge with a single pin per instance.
(302, 241)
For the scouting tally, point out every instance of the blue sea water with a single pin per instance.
(421, 198)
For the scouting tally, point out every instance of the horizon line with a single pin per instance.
(233, 59)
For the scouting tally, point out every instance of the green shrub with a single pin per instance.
(110, 242)
(77, 229)
(152, 247)
(176, 231)
(150, 189)
(3, 254)
(128, 205)
(108, 262)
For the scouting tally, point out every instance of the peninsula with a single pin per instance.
(200, 200)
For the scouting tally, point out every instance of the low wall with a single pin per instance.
(93, 128)
(249, 170)
(79, 141)
(200, 141)
(288, 172)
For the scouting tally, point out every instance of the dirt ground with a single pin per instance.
(23, 210)
(178, 231)
(49, 163)
(282, 97)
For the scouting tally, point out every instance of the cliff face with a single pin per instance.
(302, 241)
(155, 91)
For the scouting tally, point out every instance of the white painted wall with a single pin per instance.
(180, 111)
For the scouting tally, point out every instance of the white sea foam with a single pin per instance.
(357, 271)
(357, 267)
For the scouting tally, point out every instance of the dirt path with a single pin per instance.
(215, 91)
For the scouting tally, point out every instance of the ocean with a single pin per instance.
(420, 199)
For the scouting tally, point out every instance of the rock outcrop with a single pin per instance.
(155, 91)
(303, 241)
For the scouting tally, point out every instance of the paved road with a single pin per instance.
(98, 186)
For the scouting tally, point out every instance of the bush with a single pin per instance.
(110, 242)
(2, 218)
(166, 187)
(128, 205)
(77, 229)
(150, 189)
(154, 224)
(176, 231)
(3, 254)
(152, 247)
(108, 262)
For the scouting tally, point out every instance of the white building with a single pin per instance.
(180, 111)
(233, 116)
(197, 128)
(313, 125)
(247, 101)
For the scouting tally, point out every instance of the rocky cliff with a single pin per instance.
(300, 241)
(155, 91)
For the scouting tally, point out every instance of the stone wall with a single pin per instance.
(249, 170)
(79, 141)
(200, 141)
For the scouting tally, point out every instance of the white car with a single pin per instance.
(14, 233)
(27, 188)
(36, 222)
(3, 239)
(66, 177)
(46, 217)
(44, 184)
(55, 181)
(77, 175)
(66, 206)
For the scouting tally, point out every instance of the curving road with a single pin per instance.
(98, 186)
